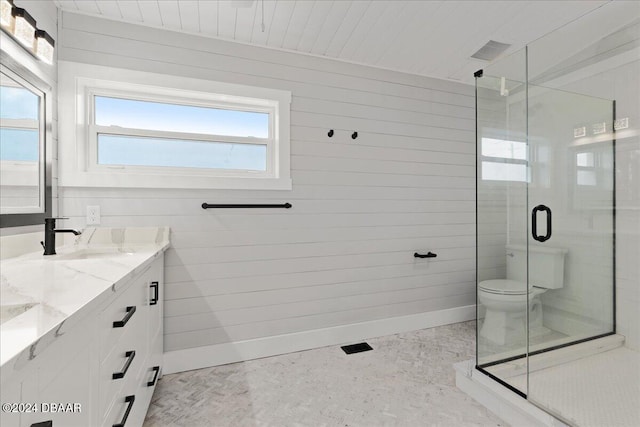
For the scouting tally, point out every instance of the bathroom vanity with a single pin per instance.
(81, 333)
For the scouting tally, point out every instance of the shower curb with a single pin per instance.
(501, 401)
(507, 404)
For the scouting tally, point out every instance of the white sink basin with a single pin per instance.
(93, 254)
(8, 312)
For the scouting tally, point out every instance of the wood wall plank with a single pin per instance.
(361, 208)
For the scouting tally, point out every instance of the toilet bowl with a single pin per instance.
(505, 302)
(531, 271)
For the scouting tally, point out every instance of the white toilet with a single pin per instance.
(505, 300)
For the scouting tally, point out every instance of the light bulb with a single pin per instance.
(24, 27)
(5, 13)
(44, 46)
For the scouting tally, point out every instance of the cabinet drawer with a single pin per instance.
(134, 398)
(156, 307)
(156, 292)
(145, 391)
(126, 362)
(124, 410)
(10, 393)
(126, 313)
(156, 349)
(68, 397)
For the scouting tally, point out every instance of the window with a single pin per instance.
(585, 169)
(174, 132)
(504, 160)
(133, 132)
(20, 115)
(593, 166)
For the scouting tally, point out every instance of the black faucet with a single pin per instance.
(50, 231)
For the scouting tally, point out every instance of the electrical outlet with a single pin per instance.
(93, 215)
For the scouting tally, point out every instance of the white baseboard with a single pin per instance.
(221, 354)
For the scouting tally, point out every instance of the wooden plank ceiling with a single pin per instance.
(433, 38)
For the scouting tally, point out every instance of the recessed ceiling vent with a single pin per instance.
(491, 50)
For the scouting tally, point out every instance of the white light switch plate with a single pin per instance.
(93, 215)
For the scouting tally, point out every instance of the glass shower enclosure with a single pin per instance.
(545, 226)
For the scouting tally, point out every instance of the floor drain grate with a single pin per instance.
(356, 348)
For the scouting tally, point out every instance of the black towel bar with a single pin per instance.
(240, 206)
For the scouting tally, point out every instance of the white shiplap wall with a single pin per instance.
(361, 208)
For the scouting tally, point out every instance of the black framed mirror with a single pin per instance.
(25, 145)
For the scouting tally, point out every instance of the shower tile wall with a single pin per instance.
(622, 85)
(584, 306)
(581, 223)
(582, 215)
(628, 242)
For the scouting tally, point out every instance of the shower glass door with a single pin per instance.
(501, 193)
(545, 231)
(570, 203)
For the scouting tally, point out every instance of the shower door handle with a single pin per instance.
(534, 223)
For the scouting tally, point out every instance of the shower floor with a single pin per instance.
(596, 391)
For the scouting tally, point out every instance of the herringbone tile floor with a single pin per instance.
(407, 380)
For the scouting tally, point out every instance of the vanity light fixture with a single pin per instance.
(6, 19)
(20, 25)
(24, 27)
(44, 46)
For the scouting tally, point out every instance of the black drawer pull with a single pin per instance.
(156, 293)
(151, 383)
(125, 319)
(129, 400)
(129, 355)
(43, 424)
(427, 255)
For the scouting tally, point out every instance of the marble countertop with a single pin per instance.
(41, 297)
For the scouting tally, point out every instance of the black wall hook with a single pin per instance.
(330, 134)
(354, 135)
(427, 255)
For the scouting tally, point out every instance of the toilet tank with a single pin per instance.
(546, 265)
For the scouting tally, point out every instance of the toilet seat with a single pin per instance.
(505, 287)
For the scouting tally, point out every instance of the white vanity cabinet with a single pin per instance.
(107, 364)
(131, 357)
(63, 389)
(58, 375)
